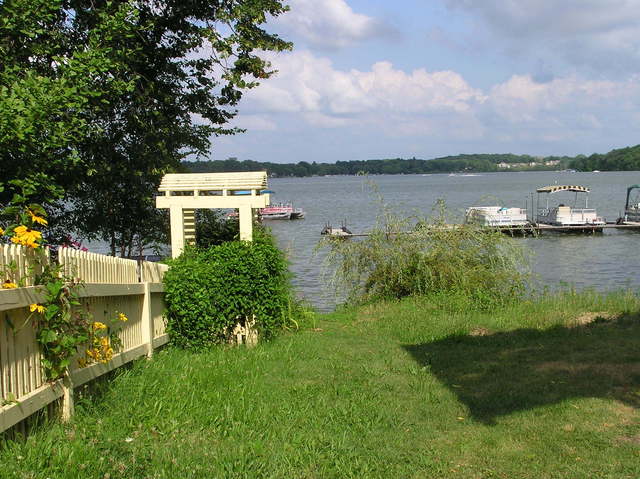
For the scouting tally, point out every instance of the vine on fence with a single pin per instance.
(63, 327)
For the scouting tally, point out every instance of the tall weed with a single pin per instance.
(417, 256)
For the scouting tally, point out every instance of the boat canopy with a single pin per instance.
(557, 188)
(631, 188)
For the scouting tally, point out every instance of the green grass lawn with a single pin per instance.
(417, 388)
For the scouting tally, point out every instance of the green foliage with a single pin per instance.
(425, 256)
(213, 228)
(623, 159)
(51, 75)
(209, 291)
(62, 327)
(106, 97)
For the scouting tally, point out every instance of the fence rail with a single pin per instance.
(111, 286)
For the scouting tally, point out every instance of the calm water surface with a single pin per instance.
(603, 262)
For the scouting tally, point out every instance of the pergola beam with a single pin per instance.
(196, 202)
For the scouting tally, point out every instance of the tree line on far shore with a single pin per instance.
(625, 159)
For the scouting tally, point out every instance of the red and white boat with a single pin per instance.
(281, 211)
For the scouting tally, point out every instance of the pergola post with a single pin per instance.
(176, 217)
(246, 223)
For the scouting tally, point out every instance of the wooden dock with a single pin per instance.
(539, 228)
(532, 229)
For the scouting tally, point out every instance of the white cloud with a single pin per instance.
(521, 96)
(306, 83)
(315, 118)
(601, 35)
(565, 110)
(329, 23)
(311, 98)
(255, 122)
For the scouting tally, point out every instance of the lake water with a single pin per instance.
(604, 262)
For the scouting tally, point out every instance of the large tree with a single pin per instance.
(48, 82)
(165, 79)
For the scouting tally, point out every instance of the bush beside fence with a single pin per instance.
(111, 286)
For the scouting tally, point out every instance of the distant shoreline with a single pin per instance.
(624, 159)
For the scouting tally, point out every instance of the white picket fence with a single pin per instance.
(18, 264)
(110, 286)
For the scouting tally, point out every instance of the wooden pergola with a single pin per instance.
(186, 192)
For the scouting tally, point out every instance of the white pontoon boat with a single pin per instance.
(496, 216)
(564, 215)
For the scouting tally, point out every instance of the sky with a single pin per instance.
(371, 79)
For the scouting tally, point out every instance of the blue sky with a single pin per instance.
(378, 79)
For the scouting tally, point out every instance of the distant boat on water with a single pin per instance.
(281, 211)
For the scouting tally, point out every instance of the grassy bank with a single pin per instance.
(416, 388)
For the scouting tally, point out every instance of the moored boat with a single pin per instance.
(281, 211)
(496, 216)
(631, 207)
(330, 231)
(571, 217)
(275, 212)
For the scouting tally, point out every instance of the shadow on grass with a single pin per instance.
(497, 374)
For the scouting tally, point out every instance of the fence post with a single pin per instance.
(67, 397)
(147, 320)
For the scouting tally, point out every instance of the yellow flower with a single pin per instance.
(9, 285)
(104, 342)
(1, 232)
(108, 354)
(26, 236)
(37, 219)
(37, 307)
(122, 317)
(82, 362)
(98, 325)
(91, 353)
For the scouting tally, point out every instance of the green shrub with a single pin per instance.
(213, 228)
(426, 256)
(210, 290)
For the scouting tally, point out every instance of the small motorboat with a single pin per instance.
(330, 231)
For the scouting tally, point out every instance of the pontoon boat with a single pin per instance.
(564, 215)
(496, 216)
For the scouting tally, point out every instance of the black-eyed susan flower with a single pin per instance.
(26, 236)
(37, 219)
(35, 307)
